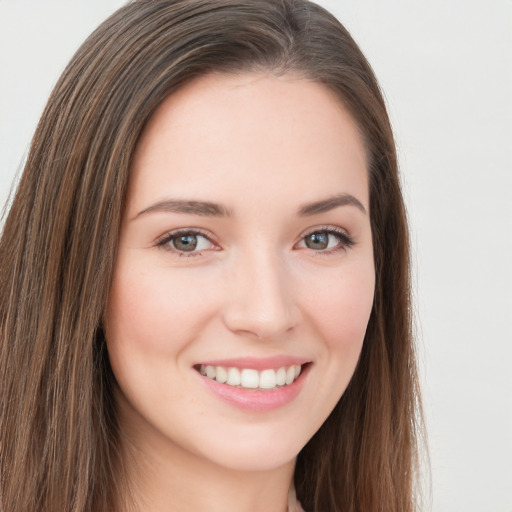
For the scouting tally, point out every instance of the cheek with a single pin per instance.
(154, 311)
(153, 315)
(341, 311)
(338, 315)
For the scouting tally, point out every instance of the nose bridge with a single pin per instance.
(261, 302)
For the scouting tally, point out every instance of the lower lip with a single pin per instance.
(256, 399)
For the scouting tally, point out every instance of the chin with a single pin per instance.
(255, 454)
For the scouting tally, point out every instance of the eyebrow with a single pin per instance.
(203, 208)
(209, 209)
(330, 204)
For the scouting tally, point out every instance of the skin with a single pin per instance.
(262, 147)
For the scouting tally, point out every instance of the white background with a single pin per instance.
(446, 71)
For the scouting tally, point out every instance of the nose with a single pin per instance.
(260, 302)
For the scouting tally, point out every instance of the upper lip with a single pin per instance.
(257, 363)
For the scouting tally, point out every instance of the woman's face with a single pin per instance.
(245, 254)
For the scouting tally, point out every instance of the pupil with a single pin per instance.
(186, 243)
(317, 241)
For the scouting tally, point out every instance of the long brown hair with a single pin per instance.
(58, 431)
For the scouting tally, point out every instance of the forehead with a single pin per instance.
(253, 135)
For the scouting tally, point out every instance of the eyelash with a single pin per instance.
(165, 241)
(345, 240)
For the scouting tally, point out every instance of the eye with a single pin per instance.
(326, 240)
(184, 242)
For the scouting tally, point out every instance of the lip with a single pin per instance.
(256, 400)
(256, 363)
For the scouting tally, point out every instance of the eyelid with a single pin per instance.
(163, 241)
(346, 239)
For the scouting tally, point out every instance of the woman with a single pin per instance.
(205, 289)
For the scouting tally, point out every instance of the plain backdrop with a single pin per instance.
(445, 67)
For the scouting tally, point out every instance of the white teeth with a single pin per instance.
(250, 378)
(233, 377)
(267, 379)
(281, 376)
(221, 375)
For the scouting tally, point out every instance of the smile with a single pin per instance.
(255, 384)
(250, 378)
